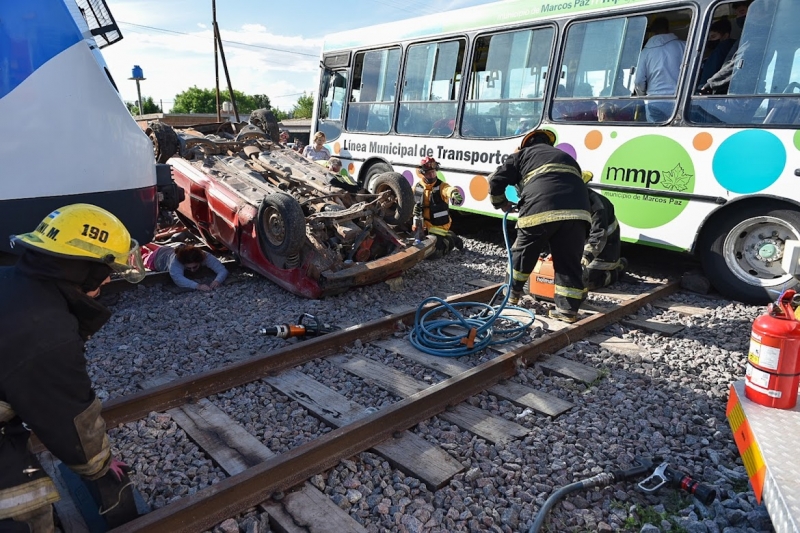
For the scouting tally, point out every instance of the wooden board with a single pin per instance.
(652, 326)
(541, 402)
(611, 293)
(68, 514)
(407, 451)
(307, 511)
(684, 309)
(616, 345)
(568, 369)
(477, 421)
(481, 283)
(396, 309)
(236, 450)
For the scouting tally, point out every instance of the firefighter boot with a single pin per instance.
(514, 297)
(563, 316)
(113, 493)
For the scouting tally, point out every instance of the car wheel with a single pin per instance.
(402, 206)
(741, 252)
(265, 119)
(374, 171)
(281, 224)
(164, 139)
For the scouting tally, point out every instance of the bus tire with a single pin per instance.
(403, 197)
(730, 248)
(374, 171)
(164, 139)
(281, 224)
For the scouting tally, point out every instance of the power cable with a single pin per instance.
(263, 47)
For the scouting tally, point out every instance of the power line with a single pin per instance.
(223, 40)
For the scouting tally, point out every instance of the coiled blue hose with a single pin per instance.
(460, 335)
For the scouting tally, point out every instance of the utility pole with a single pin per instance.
(216, 60)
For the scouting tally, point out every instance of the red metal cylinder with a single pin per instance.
(773, 361)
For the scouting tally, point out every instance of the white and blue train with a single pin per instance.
(67, 136)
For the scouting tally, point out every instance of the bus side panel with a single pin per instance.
(70, 137)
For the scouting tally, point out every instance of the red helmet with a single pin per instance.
(428, 163)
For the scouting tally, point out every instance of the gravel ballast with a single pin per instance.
(668, 401)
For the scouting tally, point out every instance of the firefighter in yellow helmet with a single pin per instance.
(601, 254)
(432, 198)
(48, 313)
(553, 210)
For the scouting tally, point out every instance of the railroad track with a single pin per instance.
(256, 473)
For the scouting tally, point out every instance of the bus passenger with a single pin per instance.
(553, 209)
(432, 199)
(318, 151)
(659, 69)
(48, 314)
(601, 253)
(181, 258)
(719, 44)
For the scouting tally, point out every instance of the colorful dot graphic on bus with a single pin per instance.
(702, 141)
(479, 188)
(351, 168)
(461, 192)
(337, 148)
(593, 140)
(650, 163)
(749, 161)
(797, 139)
(568, 148)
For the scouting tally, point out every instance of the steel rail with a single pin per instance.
(238, 493)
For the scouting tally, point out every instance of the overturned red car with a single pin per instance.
(284, 216)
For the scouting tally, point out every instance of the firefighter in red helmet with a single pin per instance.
(553, 210)
(432, 201)
(44, 385)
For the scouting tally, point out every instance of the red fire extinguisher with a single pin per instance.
(773, 362)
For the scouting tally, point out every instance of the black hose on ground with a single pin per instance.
(600, 480)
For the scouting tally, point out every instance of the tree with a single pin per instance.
(196, 100)
(304, 106)
(148, 106)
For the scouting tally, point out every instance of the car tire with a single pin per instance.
(731, 248)
(401, 210)
(164, 139)
(265, 119)
(374, 171)
(281, 224)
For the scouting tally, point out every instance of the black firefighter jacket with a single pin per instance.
(549, 185)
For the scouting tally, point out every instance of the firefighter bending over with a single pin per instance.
(432, 199)
(48, 314)
(553, 209)
(601, 261)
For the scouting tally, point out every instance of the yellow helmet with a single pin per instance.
(83, 231)
(587, 176)
(551, 136)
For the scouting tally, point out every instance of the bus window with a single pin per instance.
(430, 88)
(334, 88)
(506, 83)
(759, 83)
(371, 106)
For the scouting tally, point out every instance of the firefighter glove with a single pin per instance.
(588, 257)
(456, 198)
(417, 210)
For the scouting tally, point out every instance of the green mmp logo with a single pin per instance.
(651, 163)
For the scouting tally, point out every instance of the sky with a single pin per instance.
(272, 47)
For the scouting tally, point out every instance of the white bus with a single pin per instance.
(68, 136)
(712, 172)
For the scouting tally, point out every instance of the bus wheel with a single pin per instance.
(374, 171)
(281, 224)
(741, 252)
(165, 140)
(402, 197)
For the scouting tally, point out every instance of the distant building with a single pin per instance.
(299, 128)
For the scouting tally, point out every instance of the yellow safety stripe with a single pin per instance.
(438, 231)
(569, 292)
(498, 199)
(21, 499)
(96, 464)
(550, 167)
(553, 216)
(520, 276)
(603, 265)
(6, 412)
